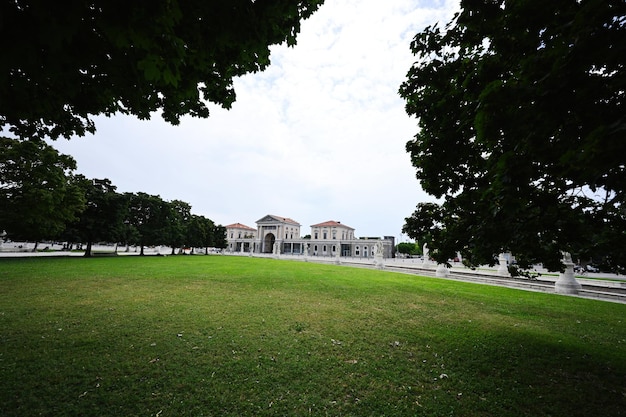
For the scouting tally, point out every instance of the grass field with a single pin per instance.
(235, 336)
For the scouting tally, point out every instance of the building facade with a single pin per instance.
(239, 237)
(281, 235)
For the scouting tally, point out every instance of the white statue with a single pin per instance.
(567, 284)
(379, 248)
(567, 258)
(426, 251)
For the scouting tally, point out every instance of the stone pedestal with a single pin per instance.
(567, 284)
(442, 271)
(503, 269)
(378, 261)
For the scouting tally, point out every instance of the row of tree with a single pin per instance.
(171, 57)
(42, 199)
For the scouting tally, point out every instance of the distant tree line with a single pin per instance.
(409, 248)
(41, 198)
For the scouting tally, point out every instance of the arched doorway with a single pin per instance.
(268, 244)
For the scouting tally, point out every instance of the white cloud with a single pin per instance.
(319, 135)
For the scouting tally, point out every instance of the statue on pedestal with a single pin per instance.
(567, 284)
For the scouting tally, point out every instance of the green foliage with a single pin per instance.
(151, 217)
(200, 232)
(219, 236)
(409, 248)
(150, 220)
(103, 217)
(38, 196)
(179, 217)
(62, 65)
(234, 336)
(41, 199)
(521, 110)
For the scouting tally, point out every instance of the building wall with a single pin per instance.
(239, 233)
(331, 233)
(284, 235)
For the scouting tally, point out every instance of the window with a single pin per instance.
(239, 235)
(324, 248)
(315, 235)
(231, 235)
(357, 252)
(334, 248)
(325, 234)
(334, 234)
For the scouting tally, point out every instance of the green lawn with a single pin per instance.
(220, 335)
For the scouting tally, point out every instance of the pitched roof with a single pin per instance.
(332, 223)
(280, 219)
(239, 226)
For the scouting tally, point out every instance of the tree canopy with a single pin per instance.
(103, 217)
(522, 125)
(62, 65)
(409, 248)
(38, 196)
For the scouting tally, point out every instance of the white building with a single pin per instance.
(281, 235)
(274, 232)
(239, 236)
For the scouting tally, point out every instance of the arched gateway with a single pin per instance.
(268, 244)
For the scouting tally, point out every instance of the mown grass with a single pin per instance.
(231, 336)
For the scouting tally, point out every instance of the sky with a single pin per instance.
(319, 135)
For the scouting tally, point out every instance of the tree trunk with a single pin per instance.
(141, 252)
(88, 249)
(35, 248)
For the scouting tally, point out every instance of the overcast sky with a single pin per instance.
(320, 135)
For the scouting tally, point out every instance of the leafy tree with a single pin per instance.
(37, 195)
(180, 216)
(219, 237)
(149, 217)
(62, 65)
(102, 219)
(130, 235)
(408, 248)
(200, 232)
(522, 121)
